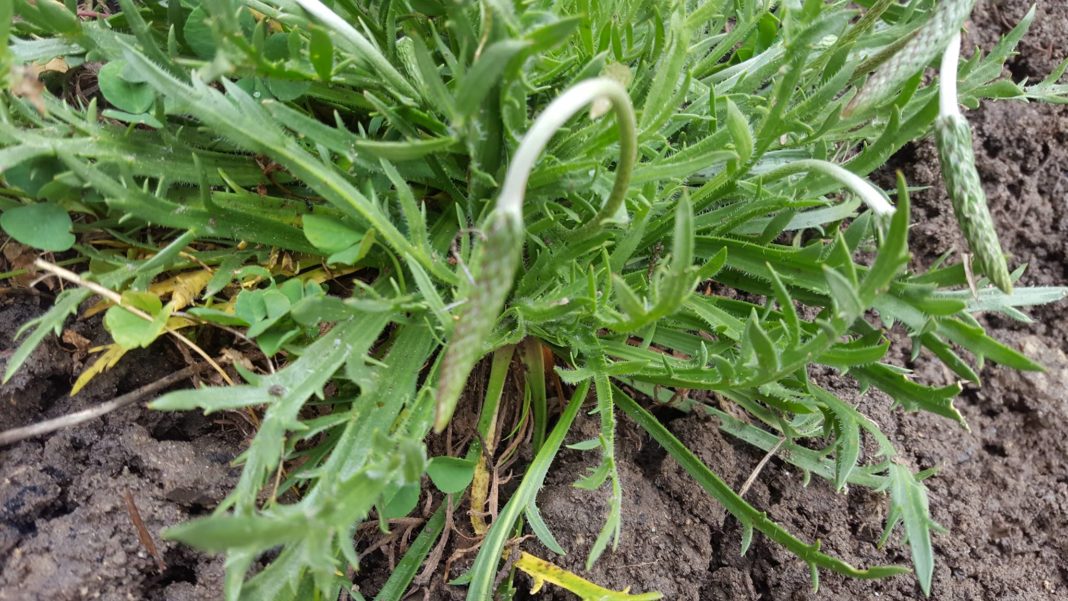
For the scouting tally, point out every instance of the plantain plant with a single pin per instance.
(375, 195)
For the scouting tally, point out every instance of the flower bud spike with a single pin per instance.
(498, 257)
(926, 44)
(953, 137)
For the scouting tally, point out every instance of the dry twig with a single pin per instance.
(760, 466)
(78, 417)
(143, 534)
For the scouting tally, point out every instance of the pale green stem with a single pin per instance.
(596, 91)
(361, 44)
(947, 80)
(867, 192)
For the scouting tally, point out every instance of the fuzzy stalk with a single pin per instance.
(497, 259)
(858, 185)
(604, 94)
(357, 42)
(924, 46)
(953, 137)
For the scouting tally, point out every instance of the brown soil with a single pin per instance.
(1002, 492)
(65, 531)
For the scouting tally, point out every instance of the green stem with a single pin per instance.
(360, 44)
(947, 79)
(858, 185)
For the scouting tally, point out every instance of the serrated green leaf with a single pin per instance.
(855, 353)
(950, 358)
(211, 400)
(976, 341)
(741, 133)
(786, 306)
(66, 303)
(846, 447)
(428, 75)
(632, 306)
(909, 497)
(844, 294)
(486, 73)
(657, 106)
(909, 394)
(767, 355)
(682, 241)
(221, 532)
(734, 504)
(403, 151)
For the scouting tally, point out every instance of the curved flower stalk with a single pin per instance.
(917, 53)
(498, 257)
(603, 93)
(858, 185)
(953, 136)
(359, 43)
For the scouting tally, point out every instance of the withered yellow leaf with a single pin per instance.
(183, 288)
(110, 356)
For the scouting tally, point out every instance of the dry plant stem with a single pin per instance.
(99, 290)
(143, 534)
(430, 566)
(114, 297)
(760, 467)
(969, 275)
(78, 417)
